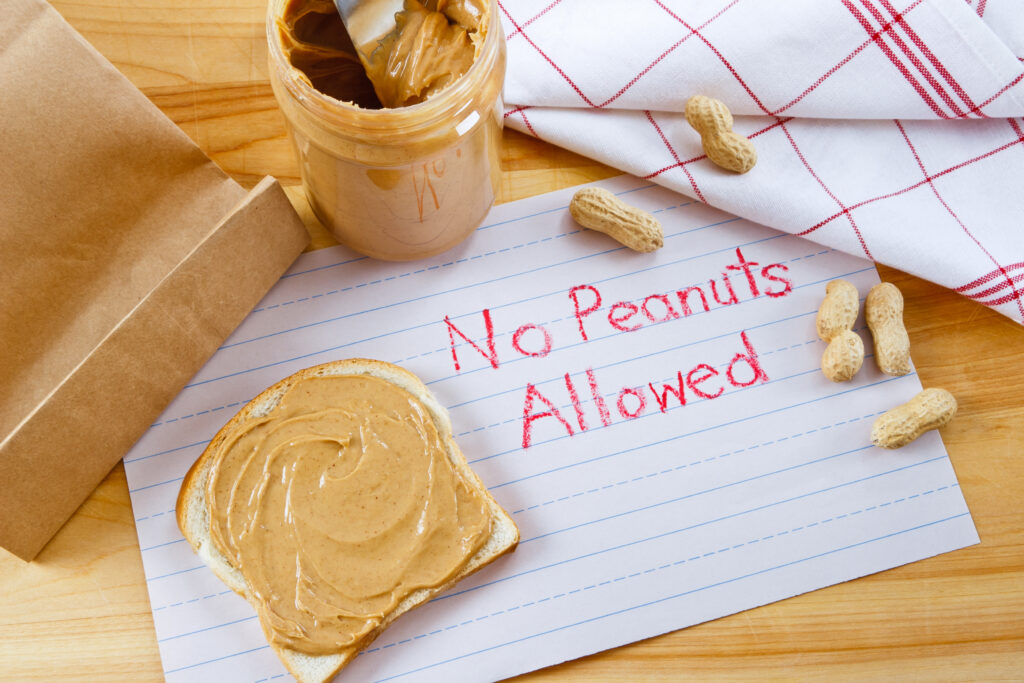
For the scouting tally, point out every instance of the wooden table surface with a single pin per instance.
(81, 610)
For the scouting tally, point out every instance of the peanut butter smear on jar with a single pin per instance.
(433, 44)
(338, 504)
(315, 42)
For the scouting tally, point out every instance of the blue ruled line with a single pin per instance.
(216, 659)
(330, 265)
(180, 571)
(162, 545)
(169, 450)
(150, 486)
(208, 628)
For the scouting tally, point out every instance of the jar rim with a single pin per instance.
(438, 108)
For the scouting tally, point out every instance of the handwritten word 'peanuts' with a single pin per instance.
(624, 316)
(702, 381)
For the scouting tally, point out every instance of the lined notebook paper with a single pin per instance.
(656, 424)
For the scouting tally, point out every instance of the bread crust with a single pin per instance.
(193, 516)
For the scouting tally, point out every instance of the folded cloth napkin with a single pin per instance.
(890, 129)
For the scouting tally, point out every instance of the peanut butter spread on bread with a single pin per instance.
(433, 44)
(336, 505)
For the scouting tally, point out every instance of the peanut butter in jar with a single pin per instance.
(410, 169)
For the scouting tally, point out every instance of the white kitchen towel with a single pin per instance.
(889, 129)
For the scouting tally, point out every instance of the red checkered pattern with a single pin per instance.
(886, 128)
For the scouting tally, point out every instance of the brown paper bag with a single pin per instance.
(126, 258)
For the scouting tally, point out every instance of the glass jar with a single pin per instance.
(403, 183)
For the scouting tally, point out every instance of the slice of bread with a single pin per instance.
(194, 517)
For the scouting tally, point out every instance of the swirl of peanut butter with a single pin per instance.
(338, 504)
(428, 50)
(434, 43)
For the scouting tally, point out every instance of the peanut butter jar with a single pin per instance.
(396, 183)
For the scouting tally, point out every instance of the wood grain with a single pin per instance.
(81, 611)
